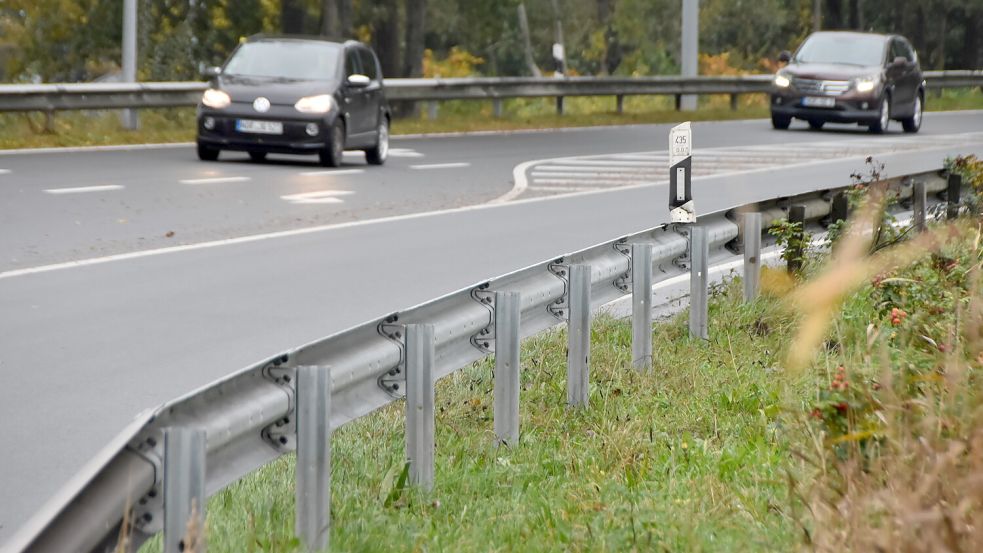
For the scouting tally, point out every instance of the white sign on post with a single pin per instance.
(681, 209)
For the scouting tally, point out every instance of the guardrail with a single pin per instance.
(250, 418)
(54, 97)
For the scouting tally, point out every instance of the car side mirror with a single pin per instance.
(359, 81)
(211, 72)
(785, 56)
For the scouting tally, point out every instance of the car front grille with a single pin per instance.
(813, 86)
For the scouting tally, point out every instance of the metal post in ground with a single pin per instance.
(420, 404)
(508, 310)
(919, 203)
(559, 105)
(184, 489)
(313, 472)
(620, 103)
(433, 108)
(129, 63)
(578, 337)
(699, 254)
(840, 208)
(641, 306)
(796, 214)
(733, 102)
(497, 107)
(690, 48)
(952, 196)
(752, 255)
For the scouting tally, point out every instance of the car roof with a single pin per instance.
(852, 33)
(302, 38)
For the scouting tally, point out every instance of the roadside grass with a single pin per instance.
(96, 128)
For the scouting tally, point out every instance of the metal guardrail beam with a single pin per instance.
(250, 417)
(53, 97)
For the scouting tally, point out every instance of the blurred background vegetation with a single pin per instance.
(79, 40)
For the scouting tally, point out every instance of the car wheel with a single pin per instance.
(913, 123)
(257, 156)
(334, 150)
(378, 154)
(816, 124)
(780, 122)
(885, 117)
(206, 153)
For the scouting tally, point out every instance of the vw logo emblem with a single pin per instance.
(261, 105)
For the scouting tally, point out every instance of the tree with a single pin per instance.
(416, 12)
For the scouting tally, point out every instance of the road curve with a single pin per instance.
(85, 347)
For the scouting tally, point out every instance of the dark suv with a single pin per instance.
(296, 96)
(844, 77)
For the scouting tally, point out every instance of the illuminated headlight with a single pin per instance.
(781, 81)
(866, 85)
(216, 99)
(315, 104)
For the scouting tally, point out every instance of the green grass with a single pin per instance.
(177, 125)
(689, 457)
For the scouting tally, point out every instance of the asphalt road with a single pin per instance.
(88, 343)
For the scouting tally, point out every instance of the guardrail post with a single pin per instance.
(578, 337)
(420, 404)
(733, 102)
(184, 489)
(620, 103)
(641, 306)
(131, 120)
(497, 107)
(840, 208)
(919, 204)
(752, 255)
(796, 214)
(559, 105)
(952, 196)
(699, 254)
(313, 472)
(432, 110)
(508, 311)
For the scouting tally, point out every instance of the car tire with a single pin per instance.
(780, 122)
(333, 151)
(913, 123)
(257, 156)
(884, 120)
(816, 124)
(377, 155)
(207, 153)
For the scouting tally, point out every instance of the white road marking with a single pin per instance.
(594, 181)
(404, 152)
(84, 189)
(561, 188)
(215, 180)
(441, 166)
(318, 197)
(540, 177)
(4, 171)
(336, 172)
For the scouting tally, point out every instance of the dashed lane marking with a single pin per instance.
(215, 180)
(318, 197)
(84, 189)
(441, 166)
(334, 172)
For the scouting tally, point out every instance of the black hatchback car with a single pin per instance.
(296, 96)
(845, 77)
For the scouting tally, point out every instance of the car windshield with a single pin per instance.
(842, 48)
(289, 59)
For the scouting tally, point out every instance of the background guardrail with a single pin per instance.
(249, 418)
(54, 97)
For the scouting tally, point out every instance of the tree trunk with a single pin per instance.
(416, 23)
(292, 17)
(604, 17)
(330, 20)
(855, 22)
(834, 14)
(817, 15)
(385, 39)
(345, 11)
(972, 57)
(526, 42)
(943, 24)
(558, 38)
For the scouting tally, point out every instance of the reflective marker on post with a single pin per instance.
(184, 489)
(641, 306)
(508, 308)
(420, 404)
(313, 471)
(578, 337)
(752, 255)
(698, 294)
(681, 208)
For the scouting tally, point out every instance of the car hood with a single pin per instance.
(829, 71)
(277, 91)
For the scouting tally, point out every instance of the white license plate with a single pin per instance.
(818, 102)
(259, 127)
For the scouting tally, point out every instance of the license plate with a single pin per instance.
(818, 102)
(259, 127)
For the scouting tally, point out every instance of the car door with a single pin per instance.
(373, 93)
(901, 77)
(356, 116)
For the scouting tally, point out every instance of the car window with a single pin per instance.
(909, 52)
(368, 64)
(897, 51)
(288, 59)
(352, 65)
(850, 49)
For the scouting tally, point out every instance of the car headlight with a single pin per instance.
(781, 81)
(215, 98)
(316, 104)
(865, 85)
